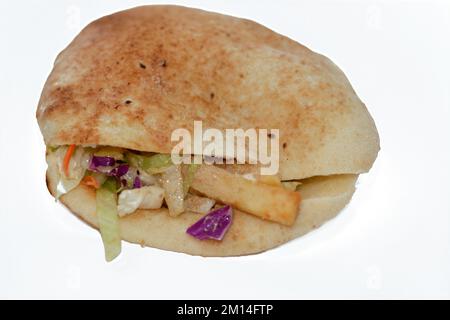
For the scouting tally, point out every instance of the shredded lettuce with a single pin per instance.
(77, 169)
(52, 148)
(149, 197)
(108, 218)
(112, 152)
(152, 164)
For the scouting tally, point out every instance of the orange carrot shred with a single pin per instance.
(67, 157)
(91, 182)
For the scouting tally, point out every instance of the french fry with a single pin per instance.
(266, 201)
(172, 182)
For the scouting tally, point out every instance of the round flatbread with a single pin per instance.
(129, 79)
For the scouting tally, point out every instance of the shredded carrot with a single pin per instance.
(91, 182)
(67, 157)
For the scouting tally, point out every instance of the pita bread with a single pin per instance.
(129, 79)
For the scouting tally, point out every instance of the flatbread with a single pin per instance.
(131, 78)
(323, 198)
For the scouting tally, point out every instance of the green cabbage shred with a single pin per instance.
(108, 219)
(152, 164)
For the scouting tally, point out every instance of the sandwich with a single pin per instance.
(129, 80)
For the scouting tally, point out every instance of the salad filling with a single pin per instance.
(127, 180)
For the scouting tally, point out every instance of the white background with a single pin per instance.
(392, 241)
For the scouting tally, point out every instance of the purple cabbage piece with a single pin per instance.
(137, 183)
(119, 171)
(212, 226)
(106, 165)
(101, 162)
